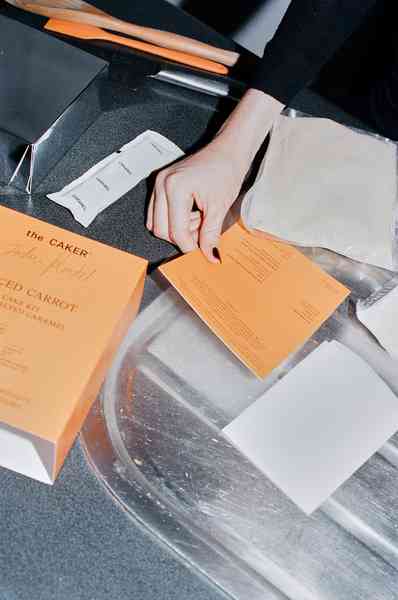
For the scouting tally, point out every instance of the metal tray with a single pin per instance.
(154, 440)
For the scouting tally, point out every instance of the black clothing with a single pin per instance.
(313, 31)
(309, 34)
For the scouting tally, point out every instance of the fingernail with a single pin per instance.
(216, 254)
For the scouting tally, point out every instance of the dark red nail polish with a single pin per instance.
(216, 254)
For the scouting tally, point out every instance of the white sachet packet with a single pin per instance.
(115, 175)
(324, 185)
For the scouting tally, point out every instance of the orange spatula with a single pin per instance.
(81, 12)
(89, 32)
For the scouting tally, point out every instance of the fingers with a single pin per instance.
(195, 221)
(195, 237)
(209, 236)
(149, 217)
(205, 179)
(157, 215)
(160, 211)
(170, 215)
(180, 203)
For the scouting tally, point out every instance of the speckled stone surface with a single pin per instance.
(71, 541)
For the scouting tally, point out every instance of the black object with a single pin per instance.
(216, 253)
(49, 96)
(308, 36)
(362, 77)
(222, 20)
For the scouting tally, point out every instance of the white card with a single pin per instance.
(318, 425)
(382, 320)
(115, 175)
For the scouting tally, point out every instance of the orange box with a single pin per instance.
(65, 305)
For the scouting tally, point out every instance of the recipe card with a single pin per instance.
(263, 301)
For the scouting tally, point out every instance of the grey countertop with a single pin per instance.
(71, 541)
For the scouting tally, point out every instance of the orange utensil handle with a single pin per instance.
(180, 57)
(95, 33)
(165, 39)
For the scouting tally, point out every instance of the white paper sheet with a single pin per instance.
(382, 320)
(318, 425)
(322, 184)
(115, 175)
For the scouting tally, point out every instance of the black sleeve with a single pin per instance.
(307, 37)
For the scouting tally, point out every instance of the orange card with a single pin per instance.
(265, 299)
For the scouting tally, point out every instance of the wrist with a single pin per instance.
(247, 127)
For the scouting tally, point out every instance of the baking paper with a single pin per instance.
(318, 425)
(322, 184)
(115, 175)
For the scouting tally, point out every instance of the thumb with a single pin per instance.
(209, 237)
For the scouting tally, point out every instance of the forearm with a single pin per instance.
(246, 128)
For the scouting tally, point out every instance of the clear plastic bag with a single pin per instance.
(321, 184)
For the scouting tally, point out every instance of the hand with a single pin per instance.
(192, 197)
(210, 181)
